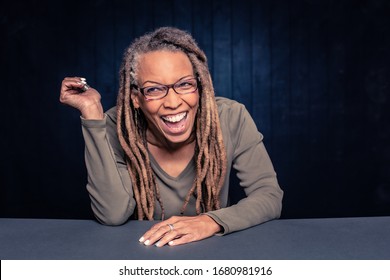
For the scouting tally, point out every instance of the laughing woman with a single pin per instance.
(166, 150)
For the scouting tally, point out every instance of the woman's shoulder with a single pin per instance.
(111, 114)
(229, 107)
(226, 102)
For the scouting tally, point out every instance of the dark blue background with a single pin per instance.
(315, 76)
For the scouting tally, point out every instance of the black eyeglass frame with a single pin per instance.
(141, 90)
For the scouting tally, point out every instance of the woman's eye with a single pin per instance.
(153, 90)
(185, 84)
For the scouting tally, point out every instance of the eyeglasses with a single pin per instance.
(159, 91)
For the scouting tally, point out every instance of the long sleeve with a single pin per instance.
(248, 156)
(109, 184)
(110, 187)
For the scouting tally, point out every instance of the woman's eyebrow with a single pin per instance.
(153, 82)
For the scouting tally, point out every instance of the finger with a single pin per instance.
(157, 226)
(74, 82)
(154, 234)
(72, 86)
(157, 231)
(184, 239)
(180, 234)
(169, 237)
(74, 78)
(172, 234)
(151, 231)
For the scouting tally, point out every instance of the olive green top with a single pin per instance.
(111, 190)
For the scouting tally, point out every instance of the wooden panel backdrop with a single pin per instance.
(313, 74)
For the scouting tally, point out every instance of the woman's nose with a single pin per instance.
(172, 99)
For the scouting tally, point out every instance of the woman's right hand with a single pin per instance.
(86, 101)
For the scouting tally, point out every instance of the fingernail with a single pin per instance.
(141, 239)
(158, 244)
(147, 242)
(83, 79)
(170, 242)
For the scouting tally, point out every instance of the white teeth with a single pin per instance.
(175, 118)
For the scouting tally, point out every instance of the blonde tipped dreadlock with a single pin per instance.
(131, 125)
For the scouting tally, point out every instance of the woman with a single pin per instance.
(167, 148)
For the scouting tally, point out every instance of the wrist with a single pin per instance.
(93, 112)
(217, 228)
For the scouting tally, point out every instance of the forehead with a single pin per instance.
(164, 65)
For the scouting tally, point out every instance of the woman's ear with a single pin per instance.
(134, 99)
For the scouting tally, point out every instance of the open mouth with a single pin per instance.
(175, 123)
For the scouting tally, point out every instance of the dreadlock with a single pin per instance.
(131, 125)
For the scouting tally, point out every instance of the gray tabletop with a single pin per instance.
(302, 239)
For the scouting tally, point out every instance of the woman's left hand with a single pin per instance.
(180, 230)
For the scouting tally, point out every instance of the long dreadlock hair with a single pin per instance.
(210, 152)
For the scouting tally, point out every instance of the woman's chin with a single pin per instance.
(178, 138)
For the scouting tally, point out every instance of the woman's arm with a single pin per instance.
(254, 171)
(109, 183)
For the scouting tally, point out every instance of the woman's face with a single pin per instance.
(170, 119)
